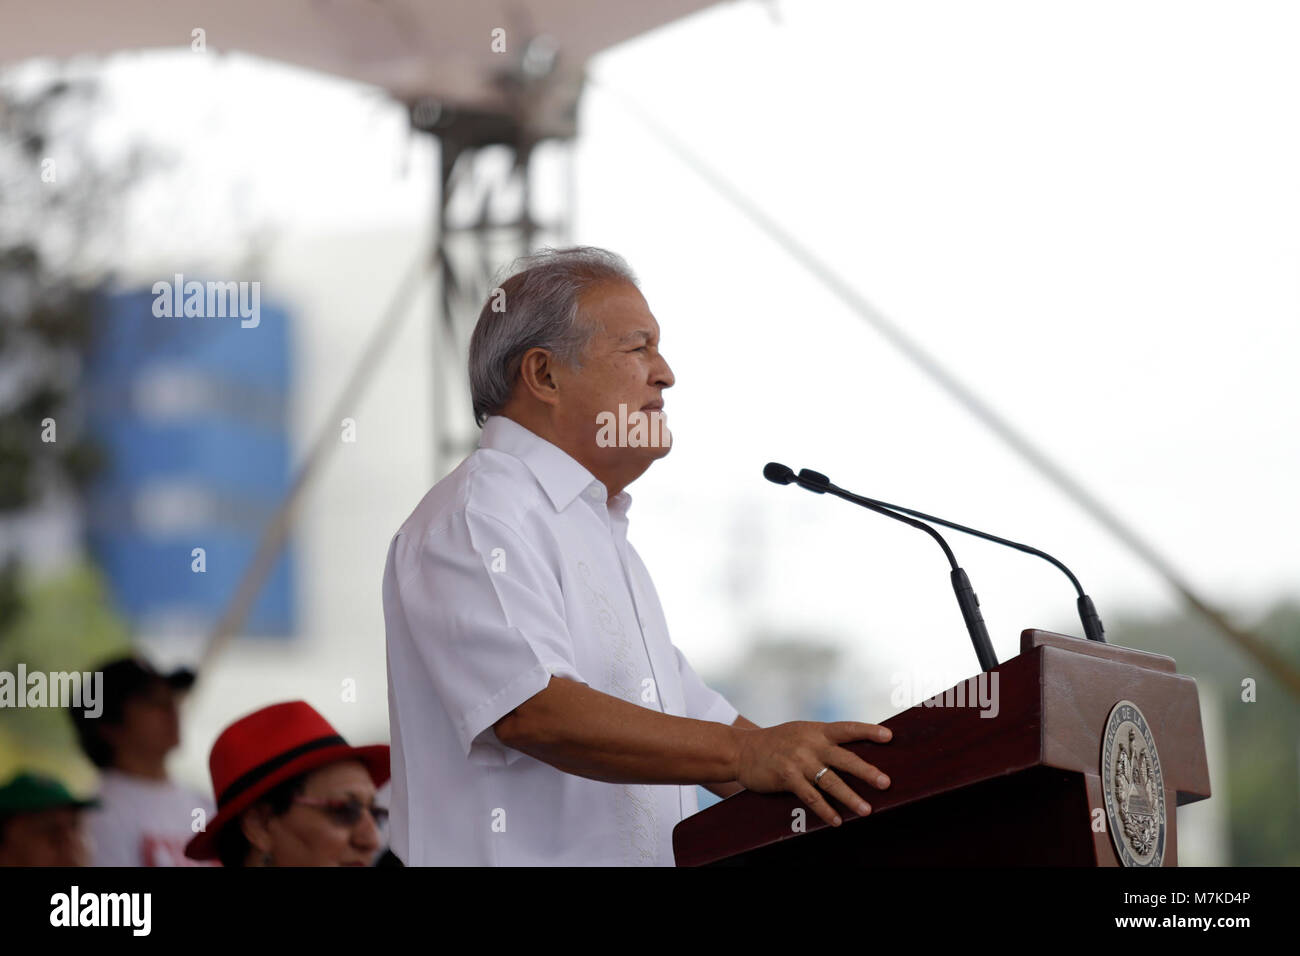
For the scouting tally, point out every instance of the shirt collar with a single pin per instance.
(561, 476)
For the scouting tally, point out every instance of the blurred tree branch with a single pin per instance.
(60, 206)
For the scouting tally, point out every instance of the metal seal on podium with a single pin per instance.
(1133, 787)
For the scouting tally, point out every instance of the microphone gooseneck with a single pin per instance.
(1092, 627)
(966, 598)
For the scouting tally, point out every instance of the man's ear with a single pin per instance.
(536, 376)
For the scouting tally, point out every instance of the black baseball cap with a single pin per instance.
(124, 678)
(127, 677)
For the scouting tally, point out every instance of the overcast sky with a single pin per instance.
(1089, 212)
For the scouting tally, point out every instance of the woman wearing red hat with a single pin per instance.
(292, 792)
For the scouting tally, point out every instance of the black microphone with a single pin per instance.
(966, 598)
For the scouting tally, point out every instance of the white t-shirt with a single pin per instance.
(511, 570)
(142, 822)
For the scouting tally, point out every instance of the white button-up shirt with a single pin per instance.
(511, 570)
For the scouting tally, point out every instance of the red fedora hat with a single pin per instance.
(269, 746)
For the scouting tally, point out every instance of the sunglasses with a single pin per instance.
(346, 813)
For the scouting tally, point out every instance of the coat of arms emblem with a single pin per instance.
(1133, 787)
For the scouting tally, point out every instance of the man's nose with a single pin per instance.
(663, 374)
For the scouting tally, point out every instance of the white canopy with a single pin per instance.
(440, 49)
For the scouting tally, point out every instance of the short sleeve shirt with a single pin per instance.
(141, 822)
(514, 569)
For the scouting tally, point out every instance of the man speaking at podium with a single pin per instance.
(540, 713)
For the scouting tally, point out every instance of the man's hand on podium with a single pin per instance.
(788, 757)
(596, 735)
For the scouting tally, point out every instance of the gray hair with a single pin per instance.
(541, 311)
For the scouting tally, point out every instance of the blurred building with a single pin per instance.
(206, 424)
(192, 415)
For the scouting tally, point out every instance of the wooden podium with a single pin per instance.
(1021, 787)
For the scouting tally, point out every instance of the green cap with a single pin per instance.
(29, 792)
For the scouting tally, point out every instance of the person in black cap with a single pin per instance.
(144, 819)
(41, 823)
